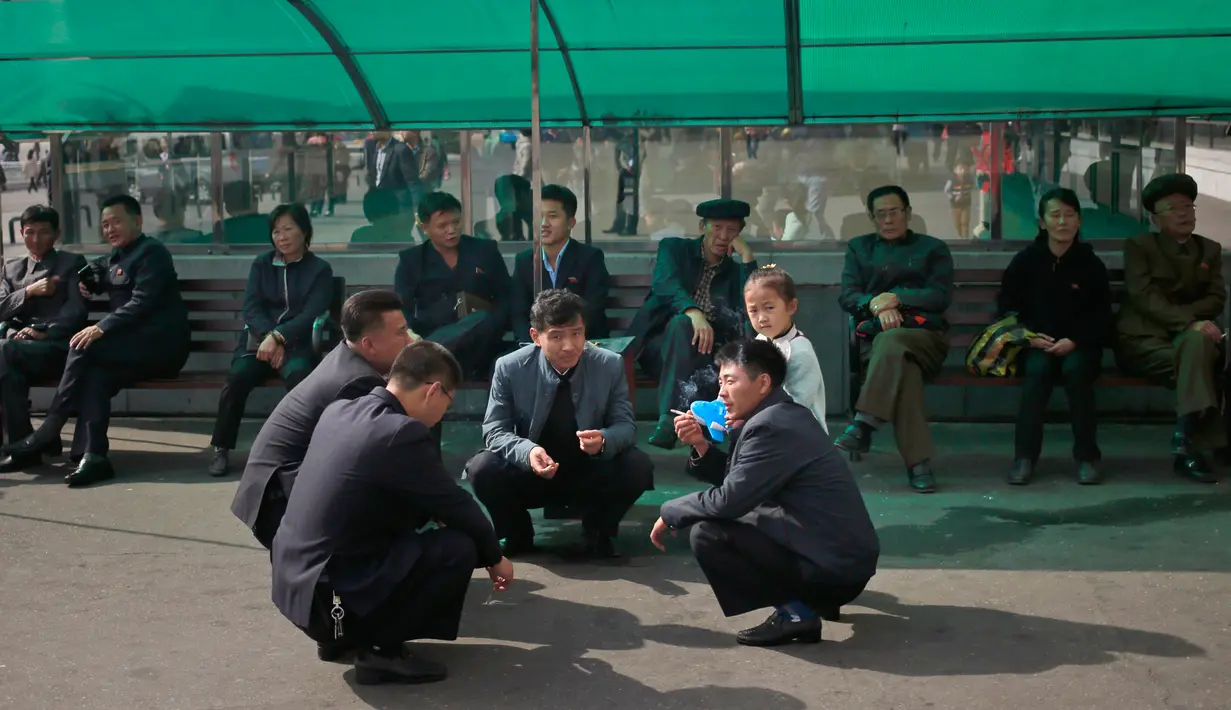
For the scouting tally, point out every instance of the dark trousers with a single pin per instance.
(684, 375)
(23, 361)
(604, 491)
(749, 571)
(1040, 372)
(246, 374)
(94, 375)
(426, 604)
(474, 340)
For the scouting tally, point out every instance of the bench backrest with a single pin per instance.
(215, 310)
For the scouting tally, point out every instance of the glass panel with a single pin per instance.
(173, 176)
(24, 164)
(1208, 160)
(500, 174)
(97, 167)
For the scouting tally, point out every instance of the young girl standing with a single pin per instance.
(769, 296)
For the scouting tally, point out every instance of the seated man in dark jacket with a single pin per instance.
(695, 305)
(350, 562)
(146, 335)
(1058, 288)
(455, 288)
(897, 284)
(566, 263)
(288, 288)
(40, 309)
(784, 524)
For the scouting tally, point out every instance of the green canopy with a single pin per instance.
(352, 64)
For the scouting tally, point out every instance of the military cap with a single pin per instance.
(724, 209)
(1165, 186)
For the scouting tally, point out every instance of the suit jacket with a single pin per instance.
(280, 446)
(1166, 292)
(140, 282)
(785, 478)
(917, 267)
(524, 387)
(581, 269)
(400, 172)
(61, 314)
(676, 271)
(372, 477)
(429, 289)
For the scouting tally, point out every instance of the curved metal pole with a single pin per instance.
(536, 152)
(307, 8)
(568, 62)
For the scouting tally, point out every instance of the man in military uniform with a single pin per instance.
(146, 335)
(39, 311)
(695, 305)
(897, 284)
(1167, 324)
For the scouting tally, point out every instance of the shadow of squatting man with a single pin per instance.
(897, 285)
(146, 335)
(1167, 326)
(559, 430)
(352, 561)
(696, 304)
(784, 524)
(40, 309)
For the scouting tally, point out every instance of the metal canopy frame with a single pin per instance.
(329, 33)
(794, 64)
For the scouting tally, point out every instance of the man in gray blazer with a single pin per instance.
(784, 524)
(559, 431)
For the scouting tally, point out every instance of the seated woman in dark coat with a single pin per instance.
(1058, 288)
(288, 288)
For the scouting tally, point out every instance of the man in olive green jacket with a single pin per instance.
(1167, 329)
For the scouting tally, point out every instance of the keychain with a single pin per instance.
(337, 613)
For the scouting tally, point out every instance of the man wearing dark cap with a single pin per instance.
(695, 306)
(1167, 324)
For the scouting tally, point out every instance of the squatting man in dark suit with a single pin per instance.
(145, 335)
(559, 431)
(352, 560)
(40, 309)
(784, 524)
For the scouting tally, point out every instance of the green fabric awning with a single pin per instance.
(346, 64)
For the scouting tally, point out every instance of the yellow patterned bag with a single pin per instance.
(993, 353)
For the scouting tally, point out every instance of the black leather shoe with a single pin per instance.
(334, 651)
(34, 445)
(220, 463)
(20, 462)
(92, 469)
(1088, 473)
(857, 439)
(1194, 467)
(664, 434)
(778, 630)
(830, 614)
(601, 548)
(516, 548)
(1021, 473)
(921, 478)
(371, 669)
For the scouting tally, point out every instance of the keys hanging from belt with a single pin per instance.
(337, 613)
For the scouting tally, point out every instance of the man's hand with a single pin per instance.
(30, 334)
(501, 574)
(84, 337)
(884, 301)
(1061, 347)
(43, 287)
(1210, 330)
(85, 292)
(1042, 341)
(268, 350)
(890, 318)
(688, 430)
(592, 441)
(702, 331)
(541, 463)
(659, 534)
(739, 246)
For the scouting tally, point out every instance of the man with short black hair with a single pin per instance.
(145, 336)
(350, 562)
(784, 524)
(567, 264)
(375, 332)
(559, 431)
(40, 309)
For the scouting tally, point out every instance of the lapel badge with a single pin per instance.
(478, 270)
(119, 271)
(572, 279)
(1075, 286)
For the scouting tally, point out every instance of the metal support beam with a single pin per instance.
(568, 62)
(585, 179)
(467, 198)
(724, 162)
(1181, 144)
(308, 9)
(794, 65)
(55, 182)
(536, 152)
(996, 165)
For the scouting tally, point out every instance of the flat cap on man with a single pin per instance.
(724, 209)
(1165, 186)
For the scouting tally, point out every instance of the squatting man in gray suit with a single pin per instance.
(559, 431)
(784, 524)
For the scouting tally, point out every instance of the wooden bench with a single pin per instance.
(215, 311)
(974, 308)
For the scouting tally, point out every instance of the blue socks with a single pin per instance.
(796, 611)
